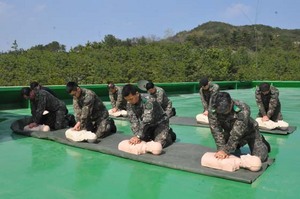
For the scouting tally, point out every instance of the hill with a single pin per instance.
(218, 34)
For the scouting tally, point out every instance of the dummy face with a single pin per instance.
(133, 99)
(152, 90)
(76, 93)
(253, 163)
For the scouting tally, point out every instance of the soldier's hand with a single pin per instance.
(77, 126)
(265, 118)
(31, 125)
(134, 140)
(221, 155)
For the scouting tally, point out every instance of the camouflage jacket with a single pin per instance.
(144, 114)
(268, 104)
(88, 107)
(44, 101)
(232, 129)
(162, 98)
(117, 100)
(206, 95)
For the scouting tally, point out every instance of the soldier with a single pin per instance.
(41, 101)
(90, 112)
(207, 90)
(232, 127)
(267, 100)
(269, 115)
(147, 118)
(160, 95)
(117, 101)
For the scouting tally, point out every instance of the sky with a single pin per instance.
(76, 22)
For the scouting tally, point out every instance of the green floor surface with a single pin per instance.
(34, 168)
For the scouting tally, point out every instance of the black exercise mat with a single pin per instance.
(290, 130)
(191, 121)
(181, 156)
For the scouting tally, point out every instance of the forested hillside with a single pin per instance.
(217, 50)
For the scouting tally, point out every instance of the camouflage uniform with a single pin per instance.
(57, 110)
(117, 100)
(269, 104)
(234, 130)
(92, 114)
(162, 98)
(149, 122)
(206, 95)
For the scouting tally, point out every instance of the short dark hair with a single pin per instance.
(263, 87)
(149, 85)
(25, 91)
(221, 102)
(203, 81)
(71, 86)
(34, 84)
(129, 89)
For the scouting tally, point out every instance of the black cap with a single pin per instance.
(203, 81)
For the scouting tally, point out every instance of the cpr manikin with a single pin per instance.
(37, 128)
(140, 148)
(280, 124)
(202, 119)
(232, 163)
(79, 136)
(119, 113)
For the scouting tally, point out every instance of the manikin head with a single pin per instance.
(154, 147)
(251, 162)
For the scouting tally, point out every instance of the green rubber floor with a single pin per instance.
(41, 169)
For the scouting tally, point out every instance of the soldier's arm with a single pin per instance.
(204, 103)
(86, 110)
(260, 103)
(112, 100)
(119, 100)
(216, 130)
(273, 102)
(134, 122)
(239, 129)
(41, 106)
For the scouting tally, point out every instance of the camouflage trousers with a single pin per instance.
(258, 145)
(159, 133)
(56, 120)
(102, 127)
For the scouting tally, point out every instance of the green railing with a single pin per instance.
(11, 98)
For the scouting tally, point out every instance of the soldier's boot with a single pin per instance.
(71, 120)
(173, 112)
(109, 130)
(266, 143)
(173, 135)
